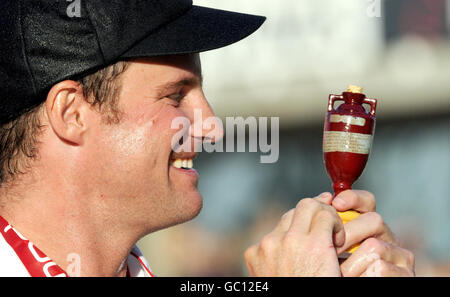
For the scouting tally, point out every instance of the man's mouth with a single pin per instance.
(183, 160)
(183, 163)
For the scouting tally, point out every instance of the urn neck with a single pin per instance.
(353, 104)
(353, 98)
(341, 186)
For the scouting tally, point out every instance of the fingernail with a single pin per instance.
(338, 201)
(324, 194)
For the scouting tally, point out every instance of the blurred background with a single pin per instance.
(399, 51)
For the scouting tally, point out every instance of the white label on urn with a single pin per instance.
(347, 142)
(349, 120)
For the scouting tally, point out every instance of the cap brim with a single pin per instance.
(199, 29)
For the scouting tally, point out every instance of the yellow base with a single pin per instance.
(347, 216)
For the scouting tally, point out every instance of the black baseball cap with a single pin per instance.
(44, 42)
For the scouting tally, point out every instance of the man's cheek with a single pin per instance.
(126, 142)
(163, 126)
(148, 114)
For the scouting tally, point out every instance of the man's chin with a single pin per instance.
(185, 207)
(185, 194)
(191, 205)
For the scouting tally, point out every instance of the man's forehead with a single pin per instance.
(187, 62)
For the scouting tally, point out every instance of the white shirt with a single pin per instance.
(18, 256)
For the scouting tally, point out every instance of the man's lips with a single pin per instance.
(183, 160)
(182, 166)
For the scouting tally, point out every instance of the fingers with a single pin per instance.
(367, 225)
(373, 251)
(382, 268)
(318, 219)
(303, 215)
(302, 221)
(302, 244)
(305, 211)
(358, 200)
(327, 223)
(325, 198)
(314, 216)
(285, 221)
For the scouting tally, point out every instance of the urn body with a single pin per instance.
(347, 138)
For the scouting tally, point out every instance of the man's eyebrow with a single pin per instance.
(180, 82)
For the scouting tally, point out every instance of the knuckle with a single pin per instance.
(378, 268)
(375, 245)
(371, 199)
(289, 240)
(410, 258)
(267, 244)
(377, 221)
(249, 253)
(306, 202)
(287, 214)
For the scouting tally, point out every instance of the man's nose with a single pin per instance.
(206, 125)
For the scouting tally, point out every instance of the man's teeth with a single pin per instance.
(183, 163)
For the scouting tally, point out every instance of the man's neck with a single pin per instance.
(62, 221)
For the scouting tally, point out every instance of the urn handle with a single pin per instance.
(373, 105)
(332, 99)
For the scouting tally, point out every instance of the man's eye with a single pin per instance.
(177, 97)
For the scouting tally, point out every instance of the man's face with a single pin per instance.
(142, 184)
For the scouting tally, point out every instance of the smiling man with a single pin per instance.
(86, 160)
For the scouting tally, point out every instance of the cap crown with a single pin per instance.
(45, 41)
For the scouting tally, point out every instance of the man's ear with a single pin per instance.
(68, 111)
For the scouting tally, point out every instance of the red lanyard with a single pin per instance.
(34, 260)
